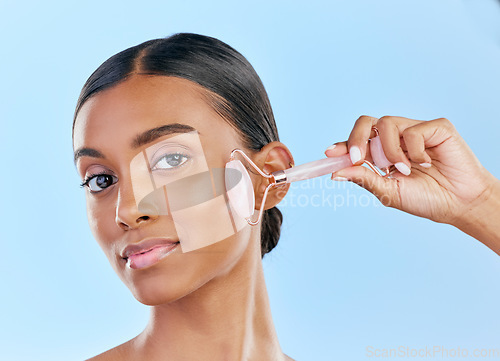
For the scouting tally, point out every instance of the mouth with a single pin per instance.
(138, 257)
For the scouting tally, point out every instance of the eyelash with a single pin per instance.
(88, 178)
(91, 176)
(170, 154)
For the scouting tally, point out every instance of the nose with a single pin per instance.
(128, 215)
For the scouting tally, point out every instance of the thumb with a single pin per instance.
(385, 189)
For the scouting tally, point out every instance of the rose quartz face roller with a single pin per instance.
(240, 190)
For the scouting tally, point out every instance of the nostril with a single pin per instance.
(129, 216)
(123, 226)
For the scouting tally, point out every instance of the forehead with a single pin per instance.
(145, 102)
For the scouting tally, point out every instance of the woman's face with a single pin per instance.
(108, 127)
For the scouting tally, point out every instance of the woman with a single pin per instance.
(211, 303)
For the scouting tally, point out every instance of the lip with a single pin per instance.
(146, 245)
(148, 252)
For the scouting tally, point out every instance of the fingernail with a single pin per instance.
(403, 168)
(425, 165)
(331, 147)
(340, 179)
(355, 154)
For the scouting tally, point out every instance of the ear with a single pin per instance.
(272, 157)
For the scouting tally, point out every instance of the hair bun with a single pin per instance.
(270, 229)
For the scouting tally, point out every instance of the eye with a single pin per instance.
(170, 161)
(98, 182)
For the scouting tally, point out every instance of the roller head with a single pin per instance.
(239, 189)
(378, 154)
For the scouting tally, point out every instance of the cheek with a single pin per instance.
(184, 273)
(101, 218)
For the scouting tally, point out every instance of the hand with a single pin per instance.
(445, 182)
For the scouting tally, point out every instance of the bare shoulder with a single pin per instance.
(118, 353)
(288, 358)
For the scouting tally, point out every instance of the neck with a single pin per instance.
(229, 318)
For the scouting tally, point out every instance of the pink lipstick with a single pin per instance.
(148, 252)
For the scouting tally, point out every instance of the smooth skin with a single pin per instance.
(446, 183)
(210, 304)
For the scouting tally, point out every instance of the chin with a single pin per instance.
(175, 279)
(159, 290)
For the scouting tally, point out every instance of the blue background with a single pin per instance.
(346, 275)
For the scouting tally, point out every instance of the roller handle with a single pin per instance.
(328, 165)
(317, 168)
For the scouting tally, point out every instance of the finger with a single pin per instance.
(390, 129)
(436, 131)
(358, 138)
(385, 189)
(415, 144)
(340, 148)
(336, 149)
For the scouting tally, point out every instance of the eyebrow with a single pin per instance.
(141, 139)
(87, 152)
(152, 134)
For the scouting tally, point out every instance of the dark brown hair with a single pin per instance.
(240, 97)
